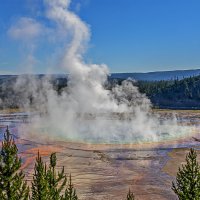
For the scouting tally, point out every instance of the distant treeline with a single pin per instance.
(174, 93)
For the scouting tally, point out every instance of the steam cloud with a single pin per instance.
(85, 110)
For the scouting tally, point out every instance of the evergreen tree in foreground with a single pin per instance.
(40, 185)
(58, 181)
(130, 195)
(48, 184)
(70, 192)
(12, 184)
(187, 184)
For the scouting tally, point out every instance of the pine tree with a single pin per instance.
(12, 184)
(130, 195)
(49, 185)
(187, 184)
(40, 185)
(70, 192)
(55, 185)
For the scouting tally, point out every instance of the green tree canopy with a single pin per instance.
(187, 185)
(57, 181)
(12, 184)
(40, 185)
(51, 185)
(70, 192)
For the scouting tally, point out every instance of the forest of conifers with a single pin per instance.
(174, 93)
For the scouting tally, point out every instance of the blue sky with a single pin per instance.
(127, 35)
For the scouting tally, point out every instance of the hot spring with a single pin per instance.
(23, 126)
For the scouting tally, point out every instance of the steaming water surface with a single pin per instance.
(22, 122)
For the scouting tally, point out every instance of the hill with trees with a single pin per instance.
(174, 93)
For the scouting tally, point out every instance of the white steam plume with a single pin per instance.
(25, 29)
(85, 110)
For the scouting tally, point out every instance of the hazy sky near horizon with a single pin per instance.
(127, 35)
